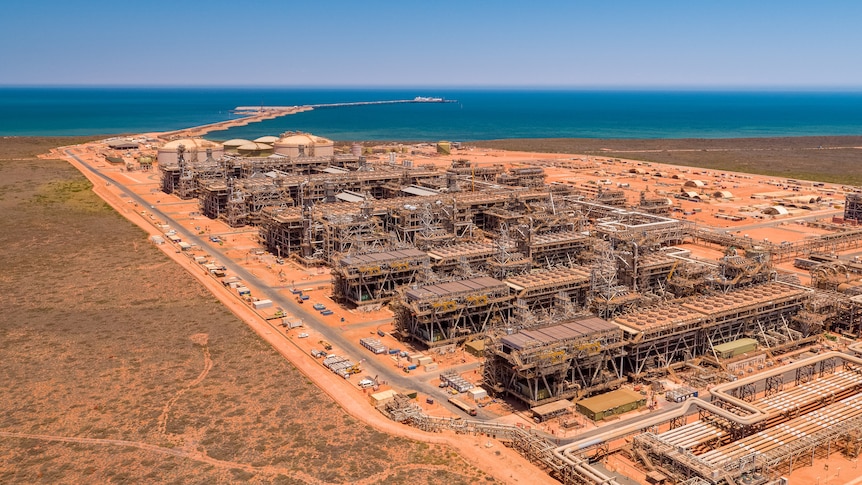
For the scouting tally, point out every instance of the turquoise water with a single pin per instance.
(478, 114)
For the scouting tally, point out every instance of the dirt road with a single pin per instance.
(488, 455)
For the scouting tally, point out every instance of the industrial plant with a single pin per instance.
(579, 296)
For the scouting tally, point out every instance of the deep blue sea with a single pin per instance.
(478, 114)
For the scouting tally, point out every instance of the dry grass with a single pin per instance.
(103, 336)
(821, 158)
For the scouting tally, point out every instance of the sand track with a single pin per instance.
(199, 339)
(203, 458)
(178, 452)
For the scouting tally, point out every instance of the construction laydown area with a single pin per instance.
(585, 288)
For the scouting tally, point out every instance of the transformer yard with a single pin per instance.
(612, 321)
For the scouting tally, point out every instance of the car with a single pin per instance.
(303, 335)
(215, 239)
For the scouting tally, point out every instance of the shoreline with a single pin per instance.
(300, 109)
(246, 118)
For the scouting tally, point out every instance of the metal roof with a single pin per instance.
(610, 400)
(443, 289)
(377, 258)
(122, 144)
(564, 331)
(416, 190)
(734, 345)
(335, 170)
(552, 408)
(348, 197)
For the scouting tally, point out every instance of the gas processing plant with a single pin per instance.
(572, 292)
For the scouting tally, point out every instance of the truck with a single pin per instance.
(462, 406)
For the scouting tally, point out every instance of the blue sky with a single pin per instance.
(605, 44)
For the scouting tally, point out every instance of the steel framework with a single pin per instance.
(446, 313)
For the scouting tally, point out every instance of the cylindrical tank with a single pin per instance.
(195, 150)
(356, 149)
(304, 145)
(231, 146)
(255, 149)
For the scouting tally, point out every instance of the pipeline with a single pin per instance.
(718, 392)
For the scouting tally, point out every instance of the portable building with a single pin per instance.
(610, 404)
(735, 347)
(476, 347)
(383, 397)
(261, 304)
(551, 410)
(477, 393)
(680, 394)
(373, 345)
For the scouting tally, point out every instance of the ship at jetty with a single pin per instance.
(427, 99)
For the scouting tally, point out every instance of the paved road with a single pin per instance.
(392, 376)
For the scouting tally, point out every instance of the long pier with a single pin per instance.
(254, 114)
(249, 110)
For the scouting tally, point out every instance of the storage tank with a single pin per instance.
(269, 139)
(231, 146)
(254, 149)
(195, 150)
(304, 145)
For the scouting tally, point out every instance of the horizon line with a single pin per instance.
(471, 87)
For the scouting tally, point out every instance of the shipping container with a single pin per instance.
(261, 304)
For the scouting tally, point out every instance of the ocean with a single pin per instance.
(478, 114)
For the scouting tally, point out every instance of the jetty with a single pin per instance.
(251, 110)
(254, 114)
